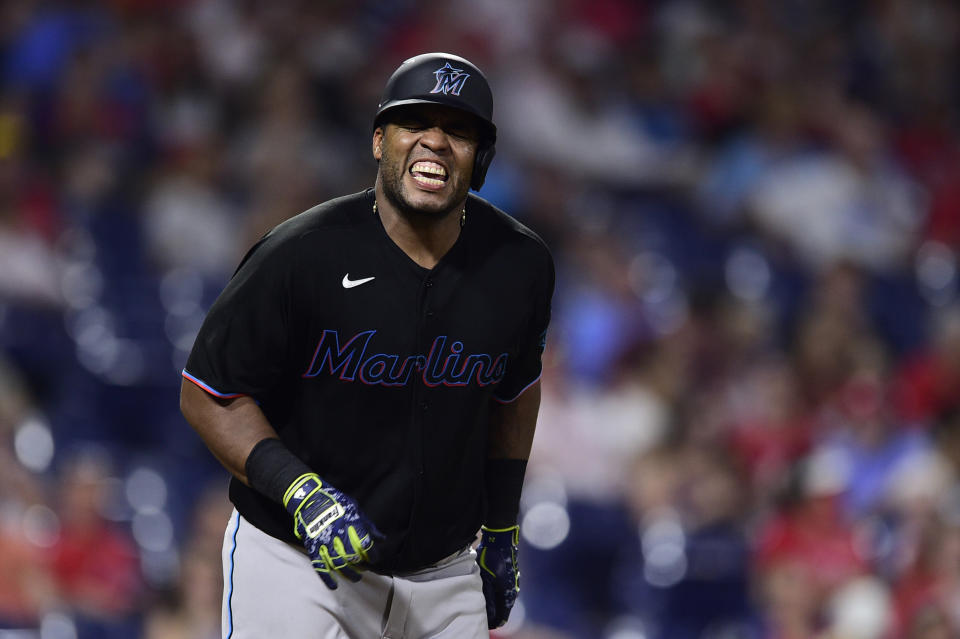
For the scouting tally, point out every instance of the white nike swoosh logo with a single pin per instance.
(348, 283)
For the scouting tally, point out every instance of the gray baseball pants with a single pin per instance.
(271, 591)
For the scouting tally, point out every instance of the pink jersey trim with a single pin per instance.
(517, 396)
(208, 388)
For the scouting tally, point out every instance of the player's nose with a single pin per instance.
(434, 138)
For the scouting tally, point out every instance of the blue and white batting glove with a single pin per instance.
(500, 572)
(337, 536)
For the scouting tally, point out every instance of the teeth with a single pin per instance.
(430, 167)
(426, 180)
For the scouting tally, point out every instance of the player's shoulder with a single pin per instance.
(520, 252)
(342, 212)
(514, 241)
(502, 225)
(301, 233)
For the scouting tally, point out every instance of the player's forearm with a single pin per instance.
(229, 428)
(512, 426)
(510, 438)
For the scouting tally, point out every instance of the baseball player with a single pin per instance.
(369, 376)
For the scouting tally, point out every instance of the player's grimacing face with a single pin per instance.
(426, 155)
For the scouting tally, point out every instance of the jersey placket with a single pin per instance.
(419, 405)
(424, 338)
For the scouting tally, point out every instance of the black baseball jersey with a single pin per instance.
(377, 372)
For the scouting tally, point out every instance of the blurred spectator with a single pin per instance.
(693, 577)
(769, 430)
(95, 564)
(601, 315)
(26, 585)
(593, 437)
(928, 383)
(29, 270)
(874, 452)
(193, 609)
(927, 592)
(849, 202)
(742, 164)
(187, 221)
(789, 598)
(232, 44)
(287, 159)
(575, 493)
(832, 326)
(26, 589)
(808, 548)
(559, 112)
(210, 512)
(47, 38)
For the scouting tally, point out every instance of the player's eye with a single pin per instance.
(411, 125)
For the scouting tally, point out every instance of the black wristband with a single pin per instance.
(271, 468)
(503, 481)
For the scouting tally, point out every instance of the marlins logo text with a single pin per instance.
(445, 363)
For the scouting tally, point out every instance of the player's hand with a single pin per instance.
(338, 537)
(500, 572)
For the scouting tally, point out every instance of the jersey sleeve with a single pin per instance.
(242, 346)
(525, 371)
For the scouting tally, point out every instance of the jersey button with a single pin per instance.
(428, 283)
(429, 313)
(423, 406)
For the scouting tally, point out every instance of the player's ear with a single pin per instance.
(378, 143)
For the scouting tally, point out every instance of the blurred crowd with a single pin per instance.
(751, 399)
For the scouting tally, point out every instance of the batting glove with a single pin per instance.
(500, 572)
(337, 536)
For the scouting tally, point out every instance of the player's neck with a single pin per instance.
(425, 239)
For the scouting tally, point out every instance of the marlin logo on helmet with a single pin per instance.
(449, 80)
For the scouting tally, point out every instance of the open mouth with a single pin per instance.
(429, 175)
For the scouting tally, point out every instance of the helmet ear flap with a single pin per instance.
(481, 163)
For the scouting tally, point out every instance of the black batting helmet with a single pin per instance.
(448, 80)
